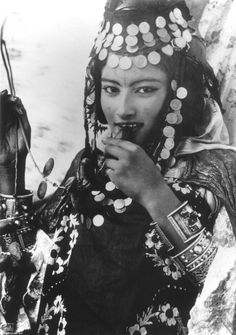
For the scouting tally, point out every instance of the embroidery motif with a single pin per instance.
(143, 322)
(50, 313)
(165, 314)
(171, 269)
(68, 227)
(168, 314)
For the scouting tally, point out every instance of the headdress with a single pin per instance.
(149, 31)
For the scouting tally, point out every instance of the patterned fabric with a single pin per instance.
(162, 295)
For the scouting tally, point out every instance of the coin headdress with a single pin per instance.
(137, 33)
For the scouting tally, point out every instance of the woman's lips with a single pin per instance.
(126, 130)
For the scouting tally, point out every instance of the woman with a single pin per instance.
(131, 225)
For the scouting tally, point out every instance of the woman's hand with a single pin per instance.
(12, 117)
(132, 170)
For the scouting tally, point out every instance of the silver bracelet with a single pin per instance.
(186, 222)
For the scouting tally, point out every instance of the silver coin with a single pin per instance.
(95, 192)
(103, 35)
(166, 39)
(120, 211)
(107, 27)
(160, 22)
(140, 61)
(169, 131)
(171, 118)
(119, 204)
(180, 119)
(172, 17)
(128, 202)
(131, 40)
(115, 47)
(184, 24)
(110, 186)
(165, 153)
(118, 40)
(168, 50)
(162, 32)
(177, 33)
(144, 27)
(100, 197)
(103, 54)
(154, 58)
(177, 13)
(174, 85)
(181, 93)
(180, 42)
(107, 44)
(148, 37)
(100, 26)
(132, 49)
(98, 46)
(110, 37)
(169, 143)
(150, 44)
(117, 29)
(176, 104)
(180, 21)
(113, 61)
(98, 220)
(125, 63)
(187, 36)
(132, 30)
(173, 26)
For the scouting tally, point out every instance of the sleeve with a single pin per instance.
(193, 221)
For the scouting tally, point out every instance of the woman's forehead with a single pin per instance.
(154, 73)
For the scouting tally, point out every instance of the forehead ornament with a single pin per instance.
(125, 63)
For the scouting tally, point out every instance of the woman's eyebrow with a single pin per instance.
(107, 80)
(138, 81)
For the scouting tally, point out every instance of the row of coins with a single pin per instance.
(111, 36)
(174, 117)
(175, 18)
(116, 42)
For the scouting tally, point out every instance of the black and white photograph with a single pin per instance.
(118, 167)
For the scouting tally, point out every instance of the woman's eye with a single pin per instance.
(110, 89)
(146, 90)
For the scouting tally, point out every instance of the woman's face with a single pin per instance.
(134, 97)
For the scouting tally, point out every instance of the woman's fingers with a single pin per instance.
(122, 144)
(113, 151)
(111, 163)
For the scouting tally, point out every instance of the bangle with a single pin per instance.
(186, 222)
(15, 206)
(162, 237)
(196, 259)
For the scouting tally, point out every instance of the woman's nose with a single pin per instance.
(127, 108)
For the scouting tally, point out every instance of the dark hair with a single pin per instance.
(192, 75)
